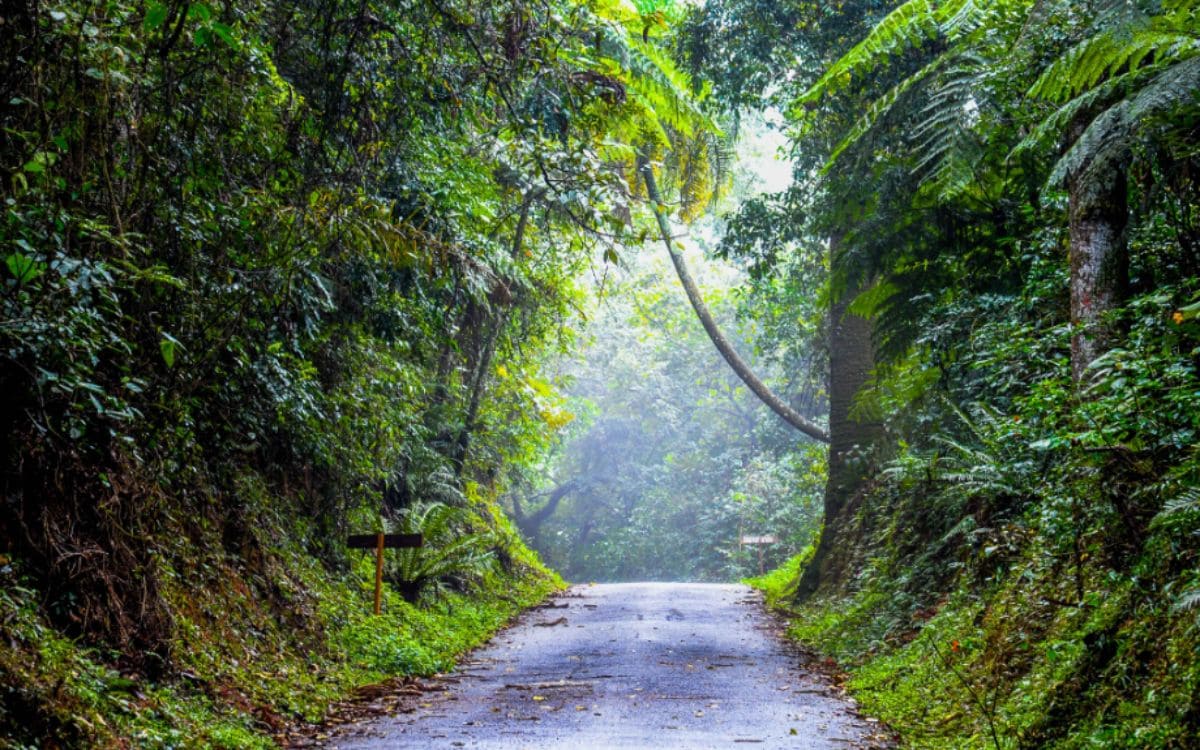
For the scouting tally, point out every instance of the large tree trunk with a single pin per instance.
(851, 359)
(1098, 212)
(739, 366)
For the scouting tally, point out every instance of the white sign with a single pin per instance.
(764, 539)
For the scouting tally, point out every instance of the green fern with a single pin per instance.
(878, 109)
(1186, 503)
(944, 140)
(941, 136)
(909, 26)
(662, 95)
(452, 547)
(1188, 600)
(1113, 52)
(1109, 135)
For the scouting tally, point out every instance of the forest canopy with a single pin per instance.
(275, 273)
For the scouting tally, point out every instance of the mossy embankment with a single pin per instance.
(1012, 660)
(262, 637)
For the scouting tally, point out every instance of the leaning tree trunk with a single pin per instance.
(739, 366)
(851, 359)
(1098, 211)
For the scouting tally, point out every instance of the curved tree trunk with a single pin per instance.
(743, 371)
(530, 523)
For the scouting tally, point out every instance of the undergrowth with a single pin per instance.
(256, 646)
(1009, 664)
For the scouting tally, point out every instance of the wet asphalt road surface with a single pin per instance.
(646, 665)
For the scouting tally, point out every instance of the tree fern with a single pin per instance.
(1109, 135)
(911, 25)
(1113, 52)
(949, 78)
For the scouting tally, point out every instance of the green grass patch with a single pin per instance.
(255, 648)
(1010, 665)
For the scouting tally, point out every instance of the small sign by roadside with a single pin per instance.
(764, 539)
(760, 541)
(381, 541)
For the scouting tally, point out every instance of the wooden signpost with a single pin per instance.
(380, 542)
(760, 542)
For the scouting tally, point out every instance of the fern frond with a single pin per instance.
(652, 79)
(947, 151)
(1187, 501)
(1188, 600)
(1056, 124)
(1108, 136)
(911, 25)
(877, 110)
(1111, 53)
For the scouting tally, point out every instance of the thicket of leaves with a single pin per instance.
(940, 143)
(320, 247)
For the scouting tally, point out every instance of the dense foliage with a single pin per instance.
(669, 460)
(1007, 190)
(276, 272)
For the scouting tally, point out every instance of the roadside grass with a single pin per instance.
(257, 647)
(1007, 664)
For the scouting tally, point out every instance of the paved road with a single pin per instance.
(647, 665)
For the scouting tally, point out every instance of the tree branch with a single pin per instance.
(739, 366)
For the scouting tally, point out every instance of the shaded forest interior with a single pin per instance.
(278, 273)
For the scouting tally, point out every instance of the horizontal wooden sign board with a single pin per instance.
(764, 539)
(371, 541)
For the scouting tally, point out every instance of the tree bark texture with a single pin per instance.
(851, 359)
(739, 366)
(1098, 212)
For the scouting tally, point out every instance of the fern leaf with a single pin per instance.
(1188, 600)
(1107, 137)
(1111, 53)
(911, 25)
(877, 110)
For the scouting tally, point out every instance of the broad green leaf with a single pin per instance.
(166, 346)
(200, 12)
(225, 33)
(156, 15)
(23, 268)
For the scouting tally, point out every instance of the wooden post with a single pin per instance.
(379, 542)
(757, 541)
(378, 573)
